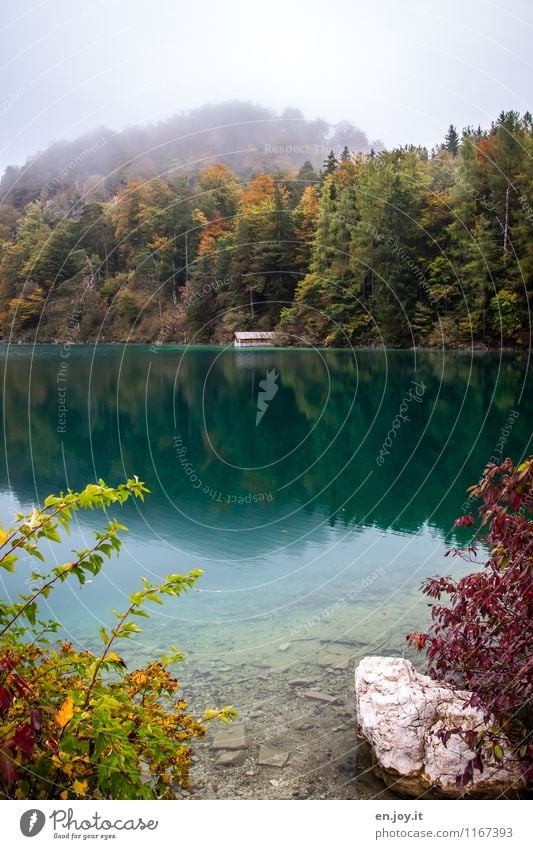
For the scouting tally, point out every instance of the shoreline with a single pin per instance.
(481, 349)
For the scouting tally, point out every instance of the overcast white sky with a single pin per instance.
(402, 70)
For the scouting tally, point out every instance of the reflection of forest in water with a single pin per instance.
(314, 451)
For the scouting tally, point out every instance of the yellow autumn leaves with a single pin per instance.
(65, 712)
(78, 787)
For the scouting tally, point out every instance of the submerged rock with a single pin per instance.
(400, 712)
(232, 738)
(236, 758)
(271, 757)
(318, 696)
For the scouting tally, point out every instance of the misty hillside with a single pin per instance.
(247, 137)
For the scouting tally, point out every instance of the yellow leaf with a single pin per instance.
(3, 536)
(80, 787)
(65, 712)
(64, 794)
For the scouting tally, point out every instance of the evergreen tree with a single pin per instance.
(307, 176)
(330, 164)
(451, 140)
(395, 267)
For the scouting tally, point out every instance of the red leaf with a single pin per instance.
(464, 521)
(8, 769)
(35, 719)
(20, 682)
(24, 738)
(5, 701)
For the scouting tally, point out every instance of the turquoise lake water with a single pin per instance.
(319, 518)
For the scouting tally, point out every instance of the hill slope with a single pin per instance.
(247, 137)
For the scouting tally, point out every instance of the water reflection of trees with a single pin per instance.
(328, 421)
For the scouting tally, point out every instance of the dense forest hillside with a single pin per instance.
(154, 238)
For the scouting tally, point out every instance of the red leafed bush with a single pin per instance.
(481, 639)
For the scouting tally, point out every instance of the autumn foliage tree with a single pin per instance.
(77, 723)
(481, 638)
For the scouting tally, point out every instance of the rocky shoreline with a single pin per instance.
(293, 688)
(300, 740)
(295, 737)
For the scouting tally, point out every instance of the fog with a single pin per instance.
(402, 72)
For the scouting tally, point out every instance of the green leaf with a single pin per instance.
(30, 613)
(8, 562)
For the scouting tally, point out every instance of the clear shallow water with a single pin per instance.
(308, 524)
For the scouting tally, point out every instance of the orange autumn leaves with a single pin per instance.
(65, 713)
(223, 205)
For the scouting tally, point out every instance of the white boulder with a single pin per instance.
(400, 711)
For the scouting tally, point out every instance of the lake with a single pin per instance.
(316, 489)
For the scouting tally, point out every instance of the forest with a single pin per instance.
(358, 246)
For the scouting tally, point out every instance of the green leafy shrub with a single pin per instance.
(126, 306)
(75, 723)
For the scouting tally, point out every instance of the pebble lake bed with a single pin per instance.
(296, 734)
